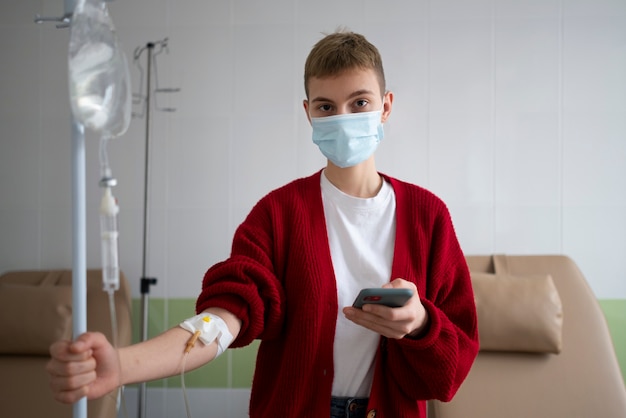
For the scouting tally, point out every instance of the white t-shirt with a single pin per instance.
(361, 234)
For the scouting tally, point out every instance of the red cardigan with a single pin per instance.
(279, 281)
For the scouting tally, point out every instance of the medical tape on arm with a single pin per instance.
(211, 328)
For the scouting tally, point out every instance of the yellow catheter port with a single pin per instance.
(192, 341)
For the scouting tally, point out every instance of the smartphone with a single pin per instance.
(394, 298)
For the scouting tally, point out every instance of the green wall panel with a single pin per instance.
(615, 313)
(235, 368)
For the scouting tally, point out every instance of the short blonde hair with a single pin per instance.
(341, 51)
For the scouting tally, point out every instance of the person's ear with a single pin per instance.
(305, 103)
(387, 105)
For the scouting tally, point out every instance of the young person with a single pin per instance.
(297, 262)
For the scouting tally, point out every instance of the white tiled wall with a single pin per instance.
(513, 111)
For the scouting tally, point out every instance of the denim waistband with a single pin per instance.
(348, 407)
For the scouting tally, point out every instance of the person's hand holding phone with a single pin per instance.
(392, 322)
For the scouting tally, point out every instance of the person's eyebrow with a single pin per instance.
(351, 95)
(360, 93)
(320, 99)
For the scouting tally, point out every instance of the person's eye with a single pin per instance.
(325, 108)
(361, 103)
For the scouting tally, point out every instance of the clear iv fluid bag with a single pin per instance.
(99, 79)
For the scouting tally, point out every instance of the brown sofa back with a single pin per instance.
(583, 380)
(23, 379)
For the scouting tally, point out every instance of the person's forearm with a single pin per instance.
(162, 356)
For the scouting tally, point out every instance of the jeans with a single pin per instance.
(346, 407)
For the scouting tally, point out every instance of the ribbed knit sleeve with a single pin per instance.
(246, 283)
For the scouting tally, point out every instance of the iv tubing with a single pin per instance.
(110, 267)
(105, 169)
(112, 311)
(182, 383)
(190, 344)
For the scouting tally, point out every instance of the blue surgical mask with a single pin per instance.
(348, 139)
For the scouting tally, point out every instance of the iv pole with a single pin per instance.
(79, 244)
(79, 209)
(79, 240)
(146, 282)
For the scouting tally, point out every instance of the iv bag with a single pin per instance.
(99, 80)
